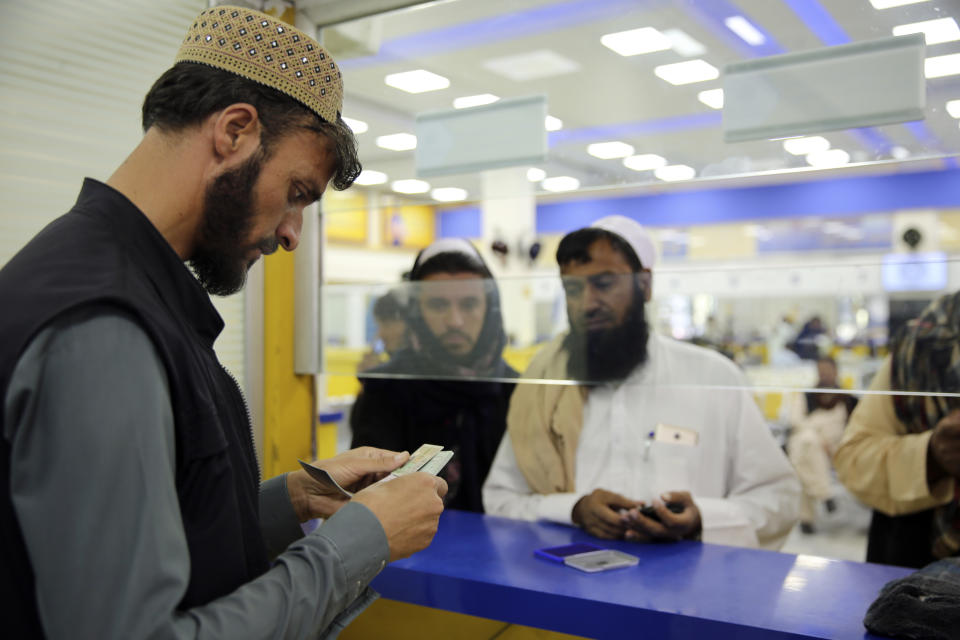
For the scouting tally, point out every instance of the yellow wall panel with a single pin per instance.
(950, 230)
(721, 241)
(412, 226)
(345, 216)
(402, 621)
(288, 398)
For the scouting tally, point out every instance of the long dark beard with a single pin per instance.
(221, 259)
(608, 355)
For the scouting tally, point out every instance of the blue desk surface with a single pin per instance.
(484, 566)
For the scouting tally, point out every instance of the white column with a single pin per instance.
(508, 213)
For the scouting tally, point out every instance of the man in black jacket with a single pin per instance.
(130, 496)
(459, 399)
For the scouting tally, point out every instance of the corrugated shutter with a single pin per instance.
(73, 74)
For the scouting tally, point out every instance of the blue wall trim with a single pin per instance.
(463, 222)
(837, 198)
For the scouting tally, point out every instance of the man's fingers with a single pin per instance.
(645, 525)
(441, 486)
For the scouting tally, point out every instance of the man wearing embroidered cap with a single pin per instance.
(131, 503)
(458, 398)
(652, 422)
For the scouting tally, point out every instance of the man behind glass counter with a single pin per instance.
(456, 346)
(130, 504)
(594, 454)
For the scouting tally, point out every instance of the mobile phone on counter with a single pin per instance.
(587, 557)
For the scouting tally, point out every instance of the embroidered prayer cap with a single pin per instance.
(263, 49)
(634, 234)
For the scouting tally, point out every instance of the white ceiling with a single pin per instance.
(615, 97)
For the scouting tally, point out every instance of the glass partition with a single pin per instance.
(774, 321)
(635, 91)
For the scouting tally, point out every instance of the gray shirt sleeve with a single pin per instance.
(92, 479)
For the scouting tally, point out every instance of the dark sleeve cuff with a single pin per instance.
(278, 521)
(361, 542)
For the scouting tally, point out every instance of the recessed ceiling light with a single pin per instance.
(746, 30)
(410, 186)
(607, 150)
(417, 81)
(687, 72)
(369, 176)
(828, 158)
(713, 98)
(560, 183)
(397, 142)
(682, 43)
(357, 126)
(934, 31)
(532, 65)
(899, 153)
(886, 4)
(803, 146)
(552, 124)
(536, 175)
(449, 194)
(645, 162)
(675, 172)
(953, 108)
(940, 66)
(474, 101)
(636, 41)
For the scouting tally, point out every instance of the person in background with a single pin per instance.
(817, 421)
(391, 337)
(459, 398)
(900, 454)
(808, 343)
(647, 425)
(131, 504)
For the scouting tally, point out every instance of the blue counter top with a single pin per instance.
(484, 566)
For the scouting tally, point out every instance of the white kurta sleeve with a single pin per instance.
(506, 492)
(763, 494)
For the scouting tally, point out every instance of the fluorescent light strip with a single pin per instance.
(398, 142)
(934, 31)
(675, 172)
(803, 146)
(953, 108)
(410, 186)
(713, 98)
(745, 29)
(687, 72)
(417, 81)
(536, 175)
(940, 66)
(682, 43)
(449, 194)
(887, 4)
(357, 126)
(552, 124)
(369, 176)
(560, 183)
(636, 41)
(608, 150)
(829, 158)
(645, 162)
(474, 101)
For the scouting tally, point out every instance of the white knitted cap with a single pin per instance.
(634, 234)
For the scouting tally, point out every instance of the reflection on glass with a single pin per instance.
(746, 314)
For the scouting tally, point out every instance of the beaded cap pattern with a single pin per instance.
(263, 49)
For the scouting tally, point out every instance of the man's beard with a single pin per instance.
(220, 259)
(609, 355)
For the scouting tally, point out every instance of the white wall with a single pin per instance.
(73, 76)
